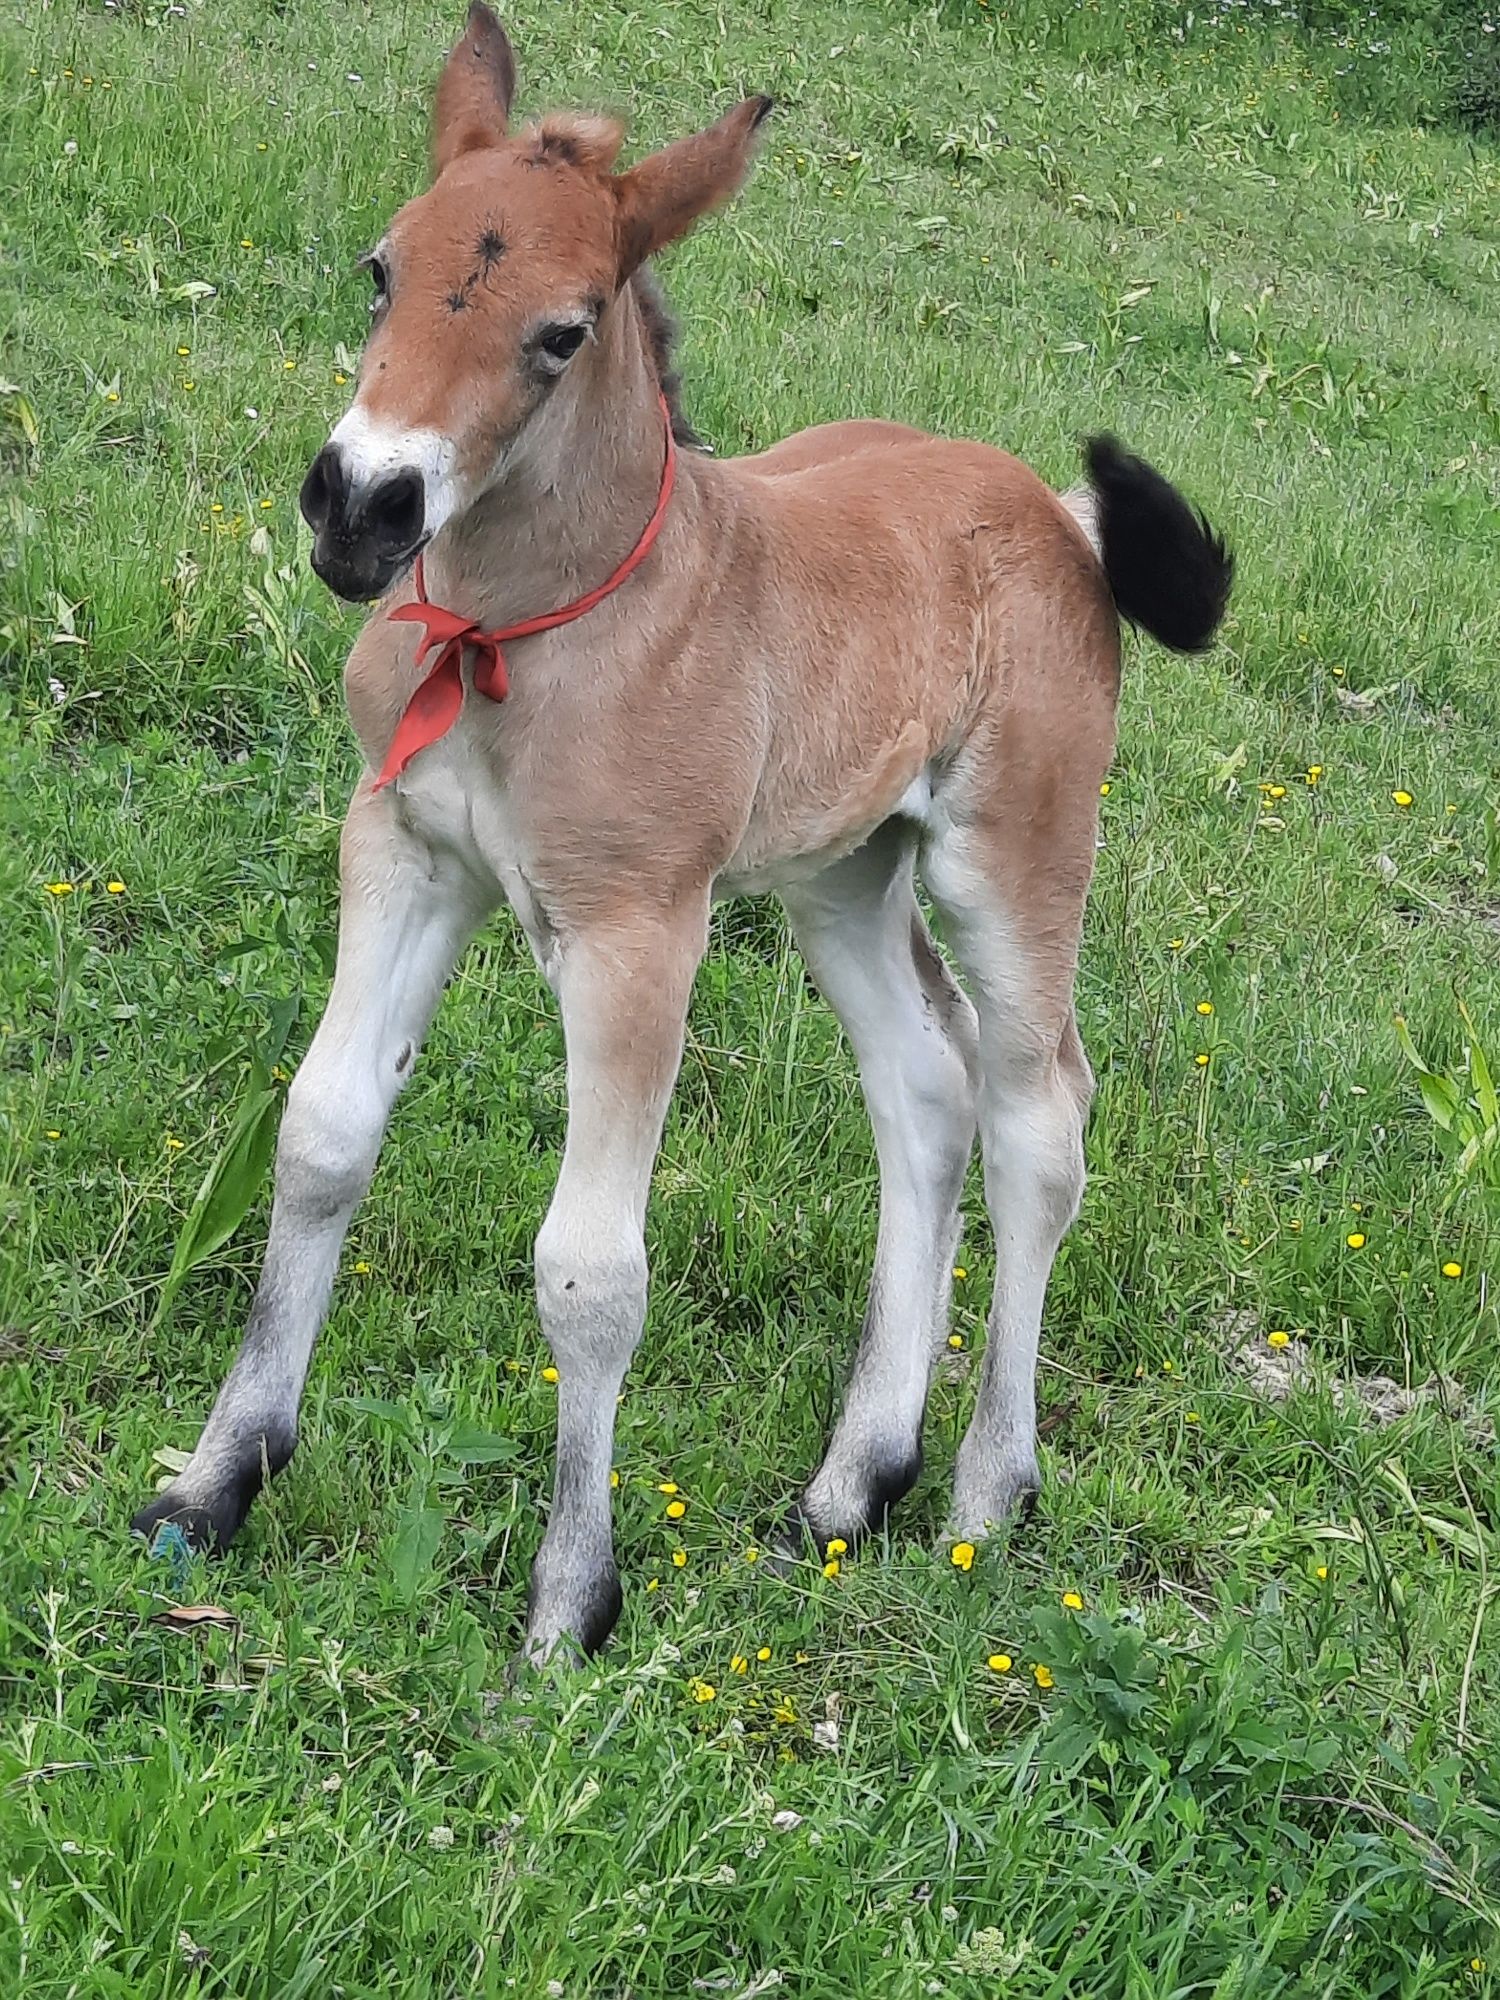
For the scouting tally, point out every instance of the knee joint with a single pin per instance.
(589, 1296)
(322, 1156)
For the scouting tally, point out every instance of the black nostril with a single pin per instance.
(395, 511)
(323, 489)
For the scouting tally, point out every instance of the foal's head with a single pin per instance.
(490, 290)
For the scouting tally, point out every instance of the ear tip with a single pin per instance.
(763, 107)
(484, 21)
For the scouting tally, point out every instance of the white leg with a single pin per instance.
(623, 992)
(863, 938)
(405, 915)
(1033, 1100)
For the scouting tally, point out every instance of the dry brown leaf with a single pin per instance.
(194, 1617)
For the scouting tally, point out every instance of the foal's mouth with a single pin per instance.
(356, 579)
(364, 535)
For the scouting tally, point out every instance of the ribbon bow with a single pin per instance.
(434, 708)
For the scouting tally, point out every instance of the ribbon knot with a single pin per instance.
(434, 708)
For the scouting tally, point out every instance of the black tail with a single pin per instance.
(1169, 571)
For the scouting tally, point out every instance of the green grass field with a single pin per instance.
(1221, 1720)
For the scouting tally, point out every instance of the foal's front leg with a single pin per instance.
(623, 991)
(405, 914)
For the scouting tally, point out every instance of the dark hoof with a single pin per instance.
(578, 1633)
(208, 1528)
(858, 1514)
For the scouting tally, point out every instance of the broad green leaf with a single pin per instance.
(480, 1447)
(375, 1406)
(414, 1544)
(228, 1188)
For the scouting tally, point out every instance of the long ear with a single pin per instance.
(474, 90)
(663, 197)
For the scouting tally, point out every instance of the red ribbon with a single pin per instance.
(434, 708)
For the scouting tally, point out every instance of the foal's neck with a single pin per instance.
(576, 493)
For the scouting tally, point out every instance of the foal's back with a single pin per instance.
(926, 614)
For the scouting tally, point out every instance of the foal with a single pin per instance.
(803, 671)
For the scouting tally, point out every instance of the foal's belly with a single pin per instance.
(792, 838)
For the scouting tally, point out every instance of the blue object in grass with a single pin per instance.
(170, 1544)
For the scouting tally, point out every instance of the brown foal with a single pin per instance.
(863, 650)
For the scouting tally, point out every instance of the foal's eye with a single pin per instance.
(561, 343)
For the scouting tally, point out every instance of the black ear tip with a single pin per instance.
(764, 106)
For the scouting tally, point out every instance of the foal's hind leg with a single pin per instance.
(1033, 1099)
(865, 943)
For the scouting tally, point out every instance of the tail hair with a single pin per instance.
(1169, 571)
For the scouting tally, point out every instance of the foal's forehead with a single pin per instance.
(507, 205)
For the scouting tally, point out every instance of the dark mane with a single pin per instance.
(661, 337)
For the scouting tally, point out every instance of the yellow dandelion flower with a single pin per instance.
(614, 1478)
(831, 1567)
(1072, 1601)
(752, 1555)
(173, 1144)
(1205, 1007)
(549, 1375)
(288, 366)
(961, 1555)
(115, 888)
(1453, 1270)
(1403, 799)
(340, 379)
(762, 1653)
(1276, 791)
(1201, 1059)
(1314, 772)
(53, 1133)
(362, 1269)
(955, 1341)
(59, 888)
(189, 387)
(679, 1558)
(1104, 791)
(739, 1664)
(1476, 1965)
(260, 146)
(512, 1367)
(999, 1663)
(703, 1690)
(183, 353)
(247, 243)
(1192, 1417)
(1175, 944)
(784, 1711)
(216, 507)
(676, 1509)
(1321, 1572)
(960, 1271)
(1043, 1677)
(838, 1546)
(1279, 1338)
(667, 1486)
(1356, 1239)
(1168, 1367)
(653, 1583)
(266, 504)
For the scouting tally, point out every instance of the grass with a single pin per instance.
(1264, 1762)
